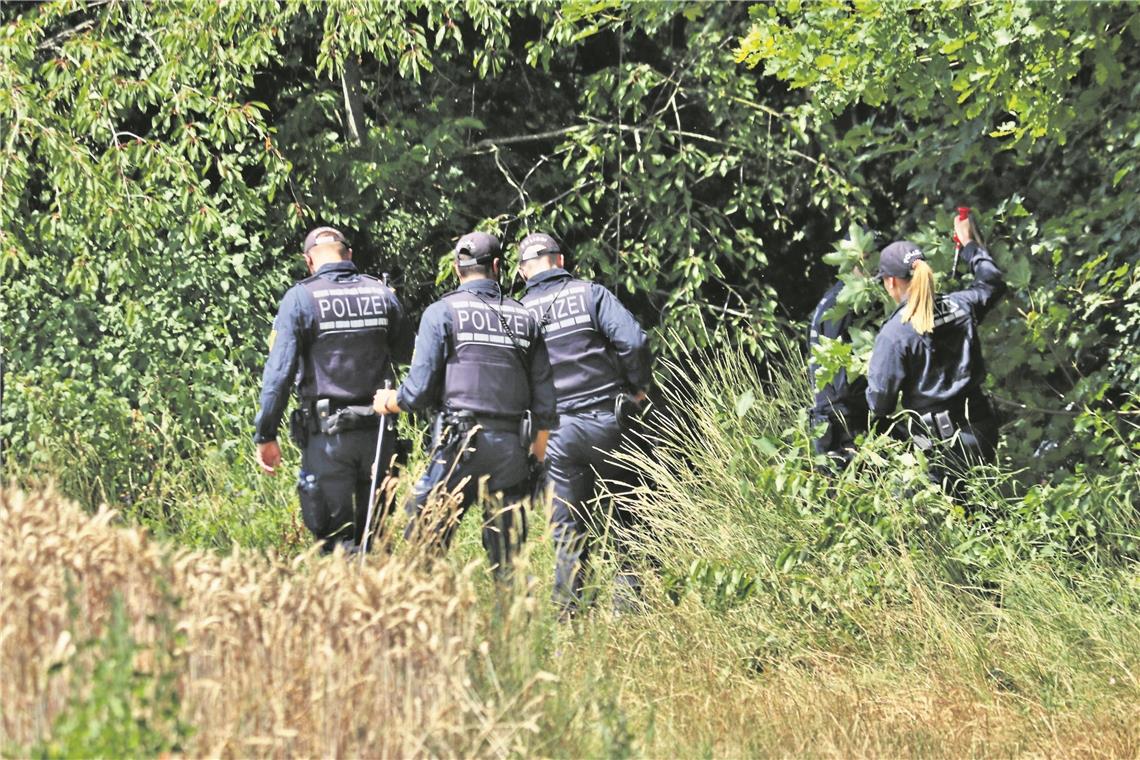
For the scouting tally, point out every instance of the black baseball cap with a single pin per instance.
(538, 244)
(898, 258)
(324, 236)
(476, 248)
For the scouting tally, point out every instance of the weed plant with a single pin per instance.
(788, 610)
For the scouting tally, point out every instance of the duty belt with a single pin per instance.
(451, 427)
(331, 417)
(944, 423)
(606, 405)
(465, 420)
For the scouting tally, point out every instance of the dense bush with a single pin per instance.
(160, 163)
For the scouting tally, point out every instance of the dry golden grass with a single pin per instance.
(310, 657)
(316, 657)
(676, 672)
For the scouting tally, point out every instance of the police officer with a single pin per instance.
(481, 363)
(841, 405)
(334, 338)
(929, 351)
(601, 362)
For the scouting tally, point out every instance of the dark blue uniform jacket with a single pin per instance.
(940, 370)
(596, 346)
(422, 389)
(839, 398)
(297, 328)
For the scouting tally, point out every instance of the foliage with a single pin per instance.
(1025, 111)
(785, 609)
(114, 643)
(829, 546)
(161, 161)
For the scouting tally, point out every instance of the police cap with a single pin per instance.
(538, 244)
(898, 258)
(476, 248)
(324, 236)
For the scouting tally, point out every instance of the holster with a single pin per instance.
(300, 427)
(935, 426)
(403, 451)
(450, 428)
(345, 418)
(437, 423)
(630, 414)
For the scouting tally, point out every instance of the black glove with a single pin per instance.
(973, 252)
(538, 479)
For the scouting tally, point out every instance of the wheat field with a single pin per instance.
(274, 658)
(317, 657)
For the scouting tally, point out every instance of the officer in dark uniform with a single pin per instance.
(334, 338)
(840, 405)
(929, 351)
(601, 362)
(481, 364)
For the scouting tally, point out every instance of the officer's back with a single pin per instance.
(945, 366)
(481, 363)
(597, 349)
(335, 336)
(600, 356)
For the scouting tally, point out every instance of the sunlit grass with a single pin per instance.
(787, 612)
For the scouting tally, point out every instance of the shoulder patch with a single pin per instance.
(272, 338)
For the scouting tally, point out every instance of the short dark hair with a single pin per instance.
(475, 270)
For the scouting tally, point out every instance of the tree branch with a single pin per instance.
(353, 108)
(491, 143)
(71, 31)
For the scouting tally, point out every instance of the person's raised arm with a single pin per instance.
(989, 283)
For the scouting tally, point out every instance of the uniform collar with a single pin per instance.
(898, 308)
(337, 266)
(484, 286)
(547, 275)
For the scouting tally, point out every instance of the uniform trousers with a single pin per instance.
(579, 458)
(837, 441)
(974, 443)
(481, 465)
(336, 471)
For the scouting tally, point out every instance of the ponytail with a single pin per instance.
(919, 309)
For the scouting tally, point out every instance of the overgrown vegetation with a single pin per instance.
(787, 611)
(714, 164)
(160, 162)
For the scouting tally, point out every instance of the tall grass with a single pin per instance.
(298, 657)
(788, 612)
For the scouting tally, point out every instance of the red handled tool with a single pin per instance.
(963, 213)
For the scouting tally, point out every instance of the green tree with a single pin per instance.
(161, 161)
(1028, 112)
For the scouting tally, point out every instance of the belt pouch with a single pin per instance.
(944, 425)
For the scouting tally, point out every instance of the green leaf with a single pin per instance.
(744, 403)
(767, 448)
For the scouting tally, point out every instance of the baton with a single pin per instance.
(375, 478)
